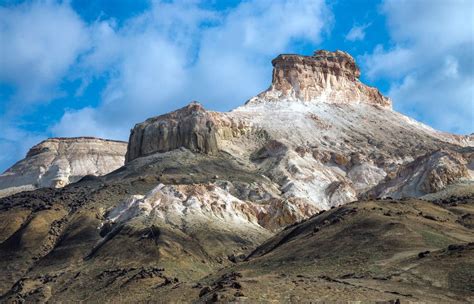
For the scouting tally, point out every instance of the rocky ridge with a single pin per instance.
(56, 162)
(191, 127)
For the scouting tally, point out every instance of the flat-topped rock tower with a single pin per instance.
(323, 77)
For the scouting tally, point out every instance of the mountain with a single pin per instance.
(213, 206)
(56, 162)
(321, 136)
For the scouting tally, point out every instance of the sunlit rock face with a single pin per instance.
(57, 162)
(324, 77)
(429, 173)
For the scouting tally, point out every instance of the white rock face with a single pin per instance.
(57, 162)
(332, 153)
(185, 206)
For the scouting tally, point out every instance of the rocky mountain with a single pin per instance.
(56, 162)
(232, 206)
(318, 134)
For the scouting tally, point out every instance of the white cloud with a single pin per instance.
(394, 63)
(431, 64)
(357, 32)
(439, 23)
(234, 58)
(173, 53)
(165, 58)
(445, 99)
(84, 122)
(39, 42)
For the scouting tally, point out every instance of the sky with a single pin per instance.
(96, 68)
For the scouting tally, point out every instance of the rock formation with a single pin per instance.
(190, 127)
(57, 162)
(427, 174)
(324, 77)
(319, 134)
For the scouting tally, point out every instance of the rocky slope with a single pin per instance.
(57, 162)
(410, 251)
(216, 206)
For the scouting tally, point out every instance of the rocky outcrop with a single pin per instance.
(190, 127)
(57, 162)
(427, 174)
(324, 77)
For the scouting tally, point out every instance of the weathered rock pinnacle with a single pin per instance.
(323, 77)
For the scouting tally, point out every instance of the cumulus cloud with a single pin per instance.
(236, 53)
(430, 65)
(40, 41)
(177, 52)
(357, 32)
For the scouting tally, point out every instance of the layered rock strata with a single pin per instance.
(57, 162)
(324, 77)
(190, 127)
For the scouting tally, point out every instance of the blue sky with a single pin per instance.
(95, 68)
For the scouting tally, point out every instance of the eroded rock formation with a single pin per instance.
(57, 162)
(191, 127)
(324, 77)
(427, 174)
(318, 134)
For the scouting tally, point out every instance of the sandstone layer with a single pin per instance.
(324, 77)
(57, 162)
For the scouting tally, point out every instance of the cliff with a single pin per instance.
(56, 162)
(323, 77)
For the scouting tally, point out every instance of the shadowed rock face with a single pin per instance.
(324, 77)
(190, 127)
